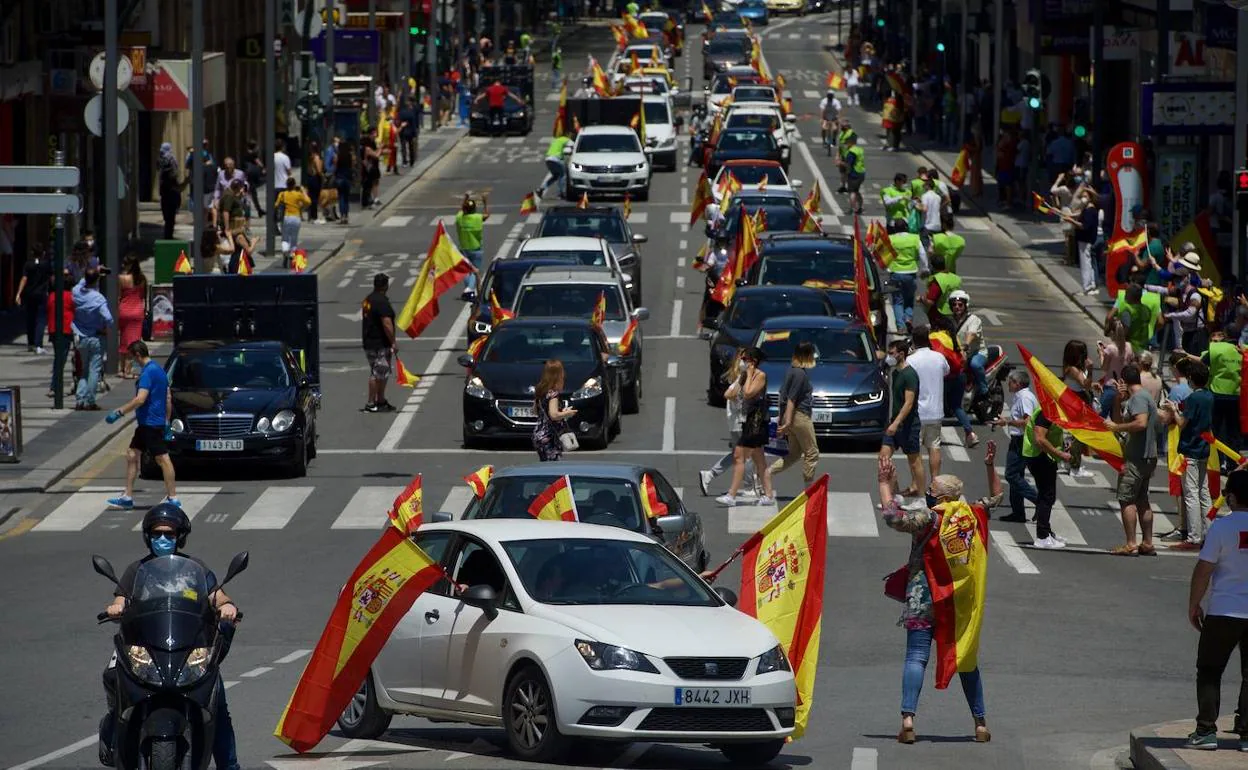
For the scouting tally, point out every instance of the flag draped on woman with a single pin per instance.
(955, 560)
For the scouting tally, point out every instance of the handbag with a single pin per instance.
(895, 583)
(776, 444)
(147, 325)
(754, 427)
(569, 441)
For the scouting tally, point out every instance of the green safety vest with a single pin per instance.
(1151, 301)
(1224, 365)
(856, 157)
(556, 59)
(948, 283)
(917, 188)
(1141, 329)
(949, 246)
(469, 228)
(840, 142)
(1030, 447)
(556, 147)
(899, 209)
(907, 247)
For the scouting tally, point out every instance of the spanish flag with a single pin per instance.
(1064, 408)
(600, 309)
(480, 479)
(555, 503)
(583, 203)
(836, 81)
(706, 13)
(810, 223)
(762, 183)
(376, 596)
(1243, 393)
(408, 511)
(1214, 470)
(443, 268)
(1176, 463)
(628, 205)
(474, 347)
(298, 261)
(246, 265)
(896, 82)
(628, 337)
(881, 244)
(728, 186)
(743, 258)
(601, 85)
(1129, 243)
(701, 199)
(183, 264)
(621, 37)
(402, 376)
(528, 205)
(634, 66)
(943, 343)
(498, 313)
(782, 585)
(699, 259)
(650, 503)
(961, 166)
(780, 82)
(760, 220)
(955, 559)
(862, 296)
(814, 199)
(561, 114)
(1039, 204)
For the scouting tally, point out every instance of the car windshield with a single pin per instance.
(749, 311)
(746, 140)
(551, 299)
(511, 344)
(825, 268)
(762, 121)
(572, 256)
(611, 502)
(753, 95)
(226, 369)
(608, 143)
(649, 85)
(171, 577)
(503, 282)
(576, 571)
(783, 214)
(725, 84)
(609, 227)
(728, 44)
(656, 113)
(750, 176)
(832, 346)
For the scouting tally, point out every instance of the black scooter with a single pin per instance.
(168, 652)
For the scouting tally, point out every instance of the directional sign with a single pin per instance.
(39, 176)
(39, 203)
(991, 316)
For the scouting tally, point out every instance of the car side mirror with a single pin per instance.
(648, 151)
(482, 597)
(237, 565)
(102, 567)
(616, 362)
(641, 313)
(727, 595)
(441, 517)
(465, 360)
(670, 525)
(706, 89)
(567, 149)
(795, 183)
(639, 238)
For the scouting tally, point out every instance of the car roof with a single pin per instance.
(752, 108)
(752, 291)
(572, 468)
(780, 240)
(502, 530)
(562, 243)
(787, 193)
(812, 322)
(751, 162)
(196, 346)
(588, 210)
(600, 129)
(520, 264)
(556, 274)
(551, 320)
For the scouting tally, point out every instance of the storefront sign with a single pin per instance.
(161, 303)
(1187, 54)
(350, 46)
(1177, 191)
(1221, 30)
(1121, 44)
(1188, 109)
(10, 424)
(1125, 164)
(138, 64)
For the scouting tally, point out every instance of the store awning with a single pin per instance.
(168, 84)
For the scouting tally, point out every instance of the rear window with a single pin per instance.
(549, 299)
(587, 225)
(749, 311)
(606, 501)
(656, 113)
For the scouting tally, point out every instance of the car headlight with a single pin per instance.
(773, 660)
(141, 664)
(577, 167)
(262, 425)
(177, 426)
(282, 421)
(640, 167)
(668, 142)
(476, 388)
(196, 666)
(874, 397)
(481, 327)
(591, 388)
(608, 657)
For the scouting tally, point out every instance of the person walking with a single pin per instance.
(1195, 418)
(795, 423)
(470, 232)
(734, 410)
(131, 310)
(377, 316)
(254, 168)
(60, 332)
(1077, 375)
(947, 243)
(290, 205)
(753, 387)
(314, 180)
(153, 411)
(1221, 572)
(32, 293)
(932, 368)
(1138, 412)
(170, 188)
(281, 170)
(370, 170)
(904, 430)
(1022, 407)
(947, 517)
(1225, 370)
(344, 168)
(91, 321)
(409, 131)
(904, 271)
(551, 417)
(555, 168)
(1087, 231)
(1042, 449)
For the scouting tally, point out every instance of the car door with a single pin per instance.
(611, 375)
(685, 542)
(399, 665)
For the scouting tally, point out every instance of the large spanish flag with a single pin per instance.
(955, 559)
(701, 199)
(814, 199)
(480, 479)
(961, 166)
(1064, 408)
(1214, 470)
(862, 296)
(556, 502)
(650, 503)
(408, 511)
(375, 598)
(1176, 463)
(782, 585)
(443, 268)
(743, 258)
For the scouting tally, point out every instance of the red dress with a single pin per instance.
(130, 315)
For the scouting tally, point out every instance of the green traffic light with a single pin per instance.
(879, 23)
(1034, 102)
(1081, 132)
(940, 47)
(414, 31)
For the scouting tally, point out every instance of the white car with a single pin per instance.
(763, 115)
(661, 126)
(566, 631)
(750, 173)
(610, 160)
(580, 251)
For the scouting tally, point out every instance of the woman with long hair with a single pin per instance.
(1076, 373)
(733, 406)
(131, 309)
(315, 181)
(796, 395)
(753, 386)
(1116, 352)
(550, 415)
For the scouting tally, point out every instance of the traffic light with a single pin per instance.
(1033, 88)
(940, 47)
(415, 31)
(879, 23)
(1241, 188)
(1080, 131)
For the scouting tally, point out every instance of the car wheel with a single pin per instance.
(644, 195)
(529, 718)
(363, 718)
(751, 754)
(471, 442)
(299, 466)
(570, 195)
(632, 394)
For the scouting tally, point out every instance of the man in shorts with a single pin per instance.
(377, 316)
(903, 428)
(152, 410)
(1137, 417)
(932, 368)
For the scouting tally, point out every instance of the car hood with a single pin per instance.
(828, 378)
(209, 401)
(686, 631)
(517, 380)
(660, 131)
(608, 158)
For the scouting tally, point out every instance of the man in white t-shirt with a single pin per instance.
(281, 171)
(932, 369)
(1222, 573)
(930, 203)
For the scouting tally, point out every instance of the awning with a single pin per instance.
(168, 83)
(22, 79)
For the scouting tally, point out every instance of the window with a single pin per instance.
(738, 140)
(434, 544)
(738, 119)
(784, 215)
(751, 175)
(656, 113)
(609, 228)
(226, 369)
(749, 312)
(594, 258)
(475, 565)
(831, 345)
(606, 501)
(529, 344)
(551, 299)
(827, 266)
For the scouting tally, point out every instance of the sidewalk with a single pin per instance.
(1159, 747)
(57, 441)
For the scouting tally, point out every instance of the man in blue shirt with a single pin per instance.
(91, 321)
(152, 410)
(1195, 419)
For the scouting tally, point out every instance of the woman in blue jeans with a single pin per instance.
(942, 545)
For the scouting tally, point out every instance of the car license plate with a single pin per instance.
(604, 180)
(219, 445)
(821, 415)
(521, 412)
(712, 696)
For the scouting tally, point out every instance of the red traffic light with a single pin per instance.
(1241, 180)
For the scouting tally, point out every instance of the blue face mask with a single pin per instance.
(164, 545)
(932, 502)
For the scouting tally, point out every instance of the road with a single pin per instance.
(1078, 647)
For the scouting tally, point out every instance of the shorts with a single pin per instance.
(378, 363)
(930, 435)
(855, 182)
(149, 439)
(907, 437)
(1133, 481)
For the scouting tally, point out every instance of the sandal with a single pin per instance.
(1147, 550)
(1125, 550)
(908, 492)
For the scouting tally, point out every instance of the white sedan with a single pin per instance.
(558, 631)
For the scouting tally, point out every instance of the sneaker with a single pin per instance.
(726, 500)
(917, 505)
(1090, 292)
(373, 408)
(386, 406)
(322, 221)
(1081, 473)
(753, 491)
(1174, 536)
(1063, 470)
(764, 500)
(172, 501)
(40, 351)
(121, 503)
(1049, 542)
(1058, 538)
(1204, 741)
(1186, 545)
(704, 481)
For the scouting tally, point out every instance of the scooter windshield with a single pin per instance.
(171, 605)
(171, 577)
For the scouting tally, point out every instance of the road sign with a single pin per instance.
(125, 71)
(40, 203)
(93, 115)
(39, 176)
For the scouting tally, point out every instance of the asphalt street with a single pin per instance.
(1078, 646)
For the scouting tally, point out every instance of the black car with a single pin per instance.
(782, 211)
(821, 261)
(722, 52)
(517, 116)
(499, 399)
(244, 402)
(501, 279)
(606, 222)
(738, 325)
(744, 144)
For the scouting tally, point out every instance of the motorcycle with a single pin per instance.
(697, 141)
(996, 369)
(167, 656)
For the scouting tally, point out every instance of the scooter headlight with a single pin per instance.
(141, 664)
(196, 666)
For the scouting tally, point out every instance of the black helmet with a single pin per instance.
(166, 513)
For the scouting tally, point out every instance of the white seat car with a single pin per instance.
(557, 631)
(608, 160)
(661, 126)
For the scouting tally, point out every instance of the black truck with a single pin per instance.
(618, 111)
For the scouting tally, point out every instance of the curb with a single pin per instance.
(49, 472)
(1147, 755)
(1160, 747)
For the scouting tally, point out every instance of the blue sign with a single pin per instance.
(351, 46)
(1221, 26)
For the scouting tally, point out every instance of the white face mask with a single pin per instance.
(890, 360)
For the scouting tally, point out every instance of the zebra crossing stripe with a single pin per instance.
(367, 508)
(274, 509)
(456, 502)
(448, 220)
(397, 221)
(813, 95)
(193, 499)
(952, 444)
(850, 514)
(1062, 524)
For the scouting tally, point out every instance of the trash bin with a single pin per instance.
(165, 254)
(10, 424)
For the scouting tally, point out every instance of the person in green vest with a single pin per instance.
(905, 270)
(1225, 362)
(918, 185)
(1042, 449)
(942, 284)
(470, 232)
(947, 243)
(556, 68)
(856, 165)
(556, 171)
(896, 198)
(842, 163)
(1139, 311)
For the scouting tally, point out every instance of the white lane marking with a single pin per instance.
(829, 196)
(851, 514)
(952, 444)
(671, 370)
(813, 95)
(684, 195)
(79, 510)
(639, 217)
(1097, 481)
(680, 282)
(51, 756)
(1013, 555)
(680, 261)
(397, 221)
(747, 518)
(864, 759)
(678, 217)
(274, 509)
(292, 657)
(457, 501)
(367, 508)
(684, 244)
(448, 220)
(795, 36)
(514, 140)
(677, 307)
(193, 501)
(977, 225)
(255, 672)
(1062, 524)
(669, 424)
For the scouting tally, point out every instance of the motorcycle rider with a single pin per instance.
(970, 329)
(165, 529)
(699, 125)
(829, 114)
